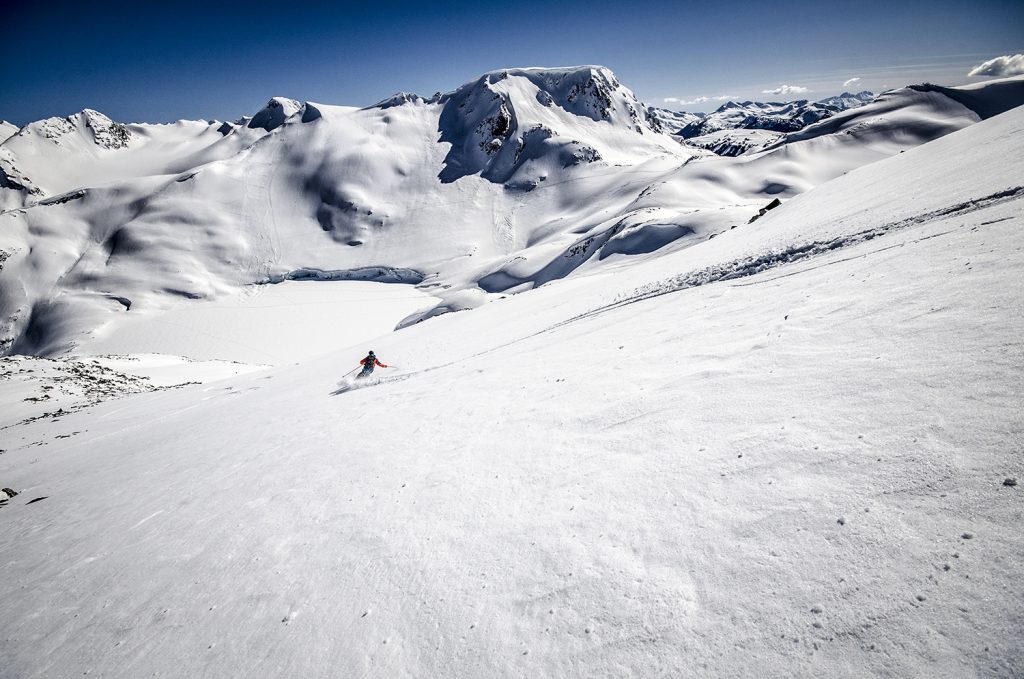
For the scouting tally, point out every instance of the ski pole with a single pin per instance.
(349, 373)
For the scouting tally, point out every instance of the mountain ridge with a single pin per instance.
(538, 175)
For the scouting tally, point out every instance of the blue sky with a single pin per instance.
(164, 61)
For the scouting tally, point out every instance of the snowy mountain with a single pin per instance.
(515, 123)
(788, 450)
(517, 178)
(772, 116)
(59, 155)
(670, 122)
(848, 100)
(736, 128)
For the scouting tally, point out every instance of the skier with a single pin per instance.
(368, 364)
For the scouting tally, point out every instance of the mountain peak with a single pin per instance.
(275, 113)
(505, 118)
(87, 123)
(848, 100)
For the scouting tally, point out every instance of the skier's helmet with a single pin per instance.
(371, 352)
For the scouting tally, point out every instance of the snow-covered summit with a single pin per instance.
(590, 91)
(402, 98)
(504, 119)
(275, 113)
(86, 125)
(848, 100)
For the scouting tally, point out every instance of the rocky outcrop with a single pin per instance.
(274, 114)
(489, 121)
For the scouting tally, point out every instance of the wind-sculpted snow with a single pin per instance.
(986, 99)
(924, 111)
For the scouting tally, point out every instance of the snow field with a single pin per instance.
(793, 472)
(267, 324)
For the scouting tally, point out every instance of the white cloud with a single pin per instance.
(698, 100)
(1011, 64)
(786, 89)
(850, 82)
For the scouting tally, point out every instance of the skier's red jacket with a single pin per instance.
(370, 360)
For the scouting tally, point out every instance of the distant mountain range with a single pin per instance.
(724, 130)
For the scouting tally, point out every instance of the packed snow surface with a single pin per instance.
(789, 450)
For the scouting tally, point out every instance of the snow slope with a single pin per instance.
(269, 324)
(7, 130)
(699, 200)
(777, 453)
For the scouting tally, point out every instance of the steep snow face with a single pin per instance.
(511, 118)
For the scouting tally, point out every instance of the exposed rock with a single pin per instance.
(105, 132)
(275, 113)
(770, 206)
